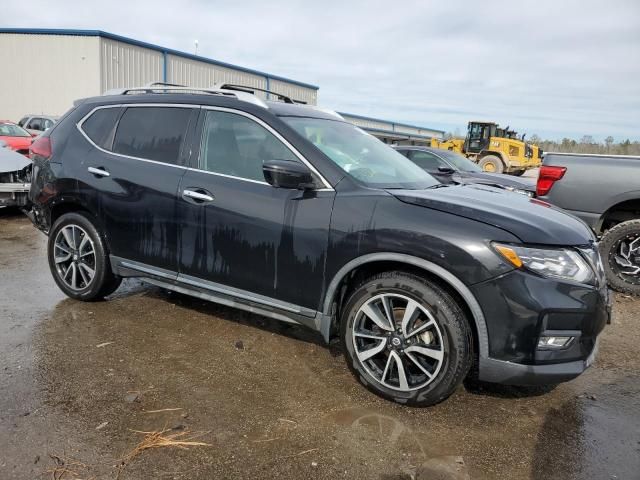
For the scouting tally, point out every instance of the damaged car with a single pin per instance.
(15, 178)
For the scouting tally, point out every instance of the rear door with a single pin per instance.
(132, 175)
(243, 236)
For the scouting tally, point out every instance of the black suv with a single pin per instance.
(290, 212)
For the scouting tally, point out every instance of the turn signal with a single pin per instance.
(510, 255)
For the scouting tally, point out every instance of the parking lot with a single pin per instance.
(80, 380)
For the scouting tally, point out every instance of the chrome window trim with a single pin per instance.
(270, 129)
(119, 105)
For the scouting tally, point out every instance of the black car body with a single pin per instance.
(451, 167)
(308, 236)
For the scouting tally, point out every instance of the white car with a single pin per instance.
(36, 124)
(15, 178)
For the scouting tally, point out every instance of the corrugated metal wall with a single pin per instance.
(44, 74)
(185, 71)
(123, 65)
(369, 123)
(296, 92)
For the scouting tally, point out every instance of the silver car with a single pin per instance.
(36, 124)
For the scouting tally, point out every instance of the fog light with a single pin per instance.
(554, 342)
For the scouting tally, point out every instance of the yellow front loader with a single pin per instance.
(494, 149)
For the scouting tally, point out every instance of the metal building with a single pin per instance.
(394, 132)
(45, 70)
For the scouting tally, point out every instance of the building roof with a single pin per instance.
(392, 132)
(151, 46)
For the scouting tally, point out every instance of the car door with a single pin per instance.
(239, 234)
(431, 163)
(131, 179)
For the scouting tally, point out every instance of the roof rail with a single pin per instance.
(252, 90)
(162, 87)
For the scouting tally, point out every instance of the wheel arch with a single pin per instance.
(73, 205)
(377, 262)
(626, 208)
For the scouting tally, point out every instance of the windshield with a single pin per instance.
(361, 155)
(459, 161)
(11, 130)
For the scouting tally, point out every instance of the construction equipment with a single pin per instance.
(495, 149)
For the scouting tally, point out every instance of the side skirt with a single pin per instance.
(215, 293)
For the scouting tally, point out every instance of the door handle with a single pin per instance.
(199, 196)
(98, 171)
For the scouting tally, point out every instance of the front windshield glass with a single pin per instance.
(11, 130)
(361, 155)
(459, 161)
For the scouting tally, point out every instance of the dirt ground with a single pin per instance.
(77, 380)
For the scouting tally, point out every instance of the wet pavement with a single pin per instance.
(77, 380)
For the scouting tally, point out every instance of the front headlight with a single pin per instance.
(563, 263)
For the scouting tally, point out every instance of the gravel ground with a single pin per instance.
(79, 380)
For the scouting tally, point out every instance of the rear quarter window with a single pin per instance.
(100, 126)
(153, 133)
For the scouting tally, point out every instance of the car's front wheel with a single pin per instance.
(78, 258)
(406, 339)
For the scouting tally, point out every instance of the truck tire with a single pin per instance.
(620, 250)
(79, 260)
(491, 164)
(518, 173)
(406, 339)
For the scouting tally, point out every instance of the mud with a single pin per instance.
(271, 399)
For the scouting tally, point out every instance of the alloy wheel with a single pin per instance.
(74, 257)
(627, 259)
(398, 342)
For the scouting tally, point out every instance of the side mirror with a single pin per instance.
(34, 134)
(287, 174)
(446, 170)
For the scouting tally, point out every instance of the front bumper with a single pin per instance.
(510, 373)
(519, 307)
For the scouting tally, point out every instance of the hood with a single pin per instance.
(11, 161)
(499, 179)
(531, 220)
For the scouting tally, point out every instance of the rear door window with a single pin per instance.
(153, 133)
(100, 126)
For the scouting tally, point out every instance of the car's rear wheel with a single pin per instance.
(406, 339)
(78, 258)
(620, 250)
(491, 164)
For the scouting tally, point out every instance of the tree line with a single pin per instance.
(587, 145)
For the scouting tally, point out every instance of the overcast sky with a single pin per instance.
(555, 68)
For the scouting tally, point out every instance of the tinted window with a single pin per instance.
(23, 121)
(154, 133)
(35, 124)
(236, 145)
(100, 125)
(426, 160)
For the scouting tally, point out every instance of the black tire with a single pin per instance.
(610, 249)
(518, 173)
(103, 282)
(453, 328)
(491, 164)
